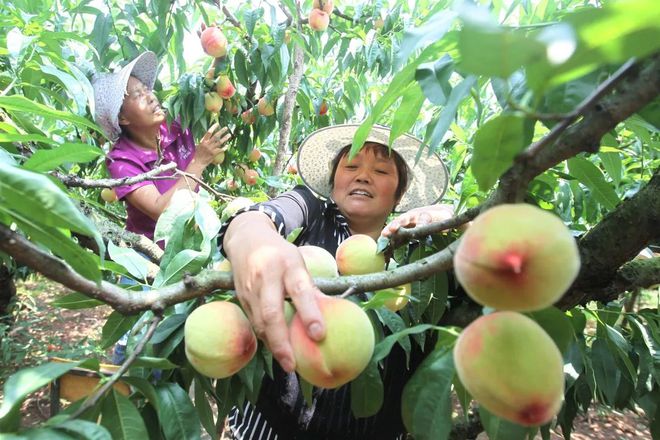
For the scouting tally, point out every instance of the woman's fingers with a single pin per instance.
(305, 294)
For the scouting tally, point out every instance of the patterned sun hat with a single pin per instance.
(110, 89)
(427, 177)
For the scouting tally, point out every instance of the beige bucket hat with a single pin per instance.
(110, 89)
(428, 177)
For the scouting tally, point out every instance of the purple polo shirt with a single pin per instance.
(128, 159)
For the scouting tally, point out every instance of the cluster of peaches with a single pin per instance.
(514, 258)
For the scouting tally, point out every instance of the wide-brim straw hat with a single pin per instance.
(427, 177)
(110, 90)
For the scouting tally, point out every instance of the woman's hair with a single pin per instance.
(379, 150)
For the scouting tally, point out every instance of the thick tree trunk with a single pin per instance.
(7, 290)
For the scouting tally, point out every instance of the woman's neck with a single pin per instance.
(147, 139)
(370, 228)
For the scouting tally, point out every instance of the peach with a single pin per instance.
(379, 23)
(398, 296)
(324, 5)
(232, 107)
(231, 185)
(254, 155)
(214, 42)
(219, 339)
(264, 107)
(223, 266)
(212, 102)
(224, 87)
(250, 177)
(109, 195)
(517, 257)
(319, 20)
(344, 352)
(319, 262)
(292, 168)
(219, 158)
(357, 255)
(248, 117)
(323, 108)
(512, 367)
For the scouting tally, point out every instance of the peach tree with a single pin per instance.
(548, 103)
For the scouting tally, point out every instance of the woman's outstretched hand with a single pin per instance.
(418, 217)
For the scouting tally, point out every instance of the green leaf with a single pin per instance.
(433, 29)
(61, 245)
(496, 143)
(76, 301)
(153, 362)
(26, 381)
(240, 68)
(433, 78)
(46, 160)
(167, 327)
(116, 326)
(590, 176)
(22, 104)
(494, 51)
(407, 112)
(556, 324)
(612, 164)
(121, 418)
(36, 197)
(606, 372)
(426, 400)
(204, 409)
(130, 259)
(143, 386)
(367, 392)
(87, 430)
(14, 137)
(383, 347)
(500, 429)
(448, 113)
(177, 414)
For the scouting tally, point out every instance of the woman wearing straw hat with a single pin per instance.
(357, 197)
(131, 117)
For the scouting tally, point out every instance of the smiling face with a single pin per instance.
(140, 109)
(365, 189)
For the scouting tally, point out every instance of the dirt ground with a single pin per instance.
(41, 330)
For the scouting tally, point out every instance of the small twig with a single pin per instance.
(94, 398)
(289, 17)
(536, 115)
(229, 15)
(79, 182)
(350, 291)
(589, 102)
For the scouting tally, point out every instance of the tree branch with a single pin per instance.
(94, 398)
(287, 116)
(614, 241)
(79, 182)
(129, 302)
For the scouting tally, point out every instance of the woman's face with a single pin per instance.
(140, 108)
(365, 187)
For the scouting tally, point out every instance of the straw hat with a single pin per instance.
(110, 89)
(427, 178)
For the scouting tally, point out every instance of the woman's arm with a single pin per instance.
(151, 202)
(267, 269)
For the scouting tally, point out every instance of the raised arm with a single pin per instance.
(151, 202)
(266, 270)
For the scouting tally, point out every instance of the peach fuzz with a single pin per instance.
(219, 339)
(512, 367)
(517, 257)
(344, 352)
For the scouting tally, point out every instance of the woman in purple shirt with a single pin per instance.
(131, 117)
